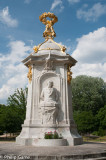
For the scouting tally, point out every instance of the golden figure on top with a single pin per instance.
(49, 31)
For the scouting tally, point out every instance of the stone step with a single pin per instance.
(87, 151)
(100, 158)
(23, 157)
(62, 158)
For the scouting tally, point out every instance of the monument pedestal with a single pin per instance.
(49, 103)
(34, 135)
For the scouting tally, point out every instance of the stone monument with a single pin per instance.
(49, 103)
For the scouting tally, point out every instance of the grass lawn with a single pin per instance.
(94, 139)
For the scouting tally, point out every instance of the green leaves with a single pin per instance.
(101, 116)
(89, 99)
(13, 115)
(88, 93)
(19, 98)
(85, 121)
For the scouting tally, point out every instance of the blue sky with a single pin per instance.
(81, 28)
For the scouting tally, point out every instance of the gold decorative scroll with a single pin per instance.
(69, 74)
(29, 75)
(49, 31)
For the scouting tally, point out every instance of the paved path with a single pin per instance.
(84, 151)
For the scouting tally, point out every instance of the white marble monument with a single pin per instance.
(49, 103)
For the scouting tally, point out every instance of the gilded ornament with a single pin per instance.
(49, 31)
(69, 74)
(29, 75)
(63, 48)
(35, 48)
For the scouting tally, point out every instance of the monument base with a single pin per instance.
(34, 135)
(48, 142)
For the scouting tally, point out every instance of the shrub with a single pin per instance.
(1, 132)
(101, 132)
(95, 133)
(85, 121)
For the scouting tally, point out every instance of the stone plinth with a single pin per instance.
(49, 142)
(86, 151)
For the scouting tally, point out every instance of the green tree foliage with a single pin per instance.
(11, 119)
(101, 116)
(85, 121)
(13, 115)
(89, 100)
(2, 115)
(19, 98)
(88, 93)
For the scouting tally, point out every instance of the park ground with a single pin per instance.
(86, 138)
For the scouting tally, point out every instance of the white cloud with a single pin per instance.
(73, 1)
(13, 72)
(91, 54)
(94, 70)
(92, 14)
(68, 48)
(92, 47)
(57, 3)
(27, 1)
(6, 18)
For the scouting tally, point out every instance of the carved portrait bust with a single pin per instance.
(49, 94)
(49, 104)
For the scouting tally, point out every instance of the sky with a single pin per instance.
(81, 27)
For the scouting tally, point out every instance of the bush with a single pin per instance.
(85, 121)
(95, 133)
(1, 132)
(101, 132)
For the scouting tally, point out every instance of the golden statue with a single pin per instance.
(49, 31)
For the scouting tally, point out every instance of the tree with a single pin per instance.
(11, 119)
(2, 115)
(85, 121)
(18, 102)
(88, 93)
(13, 115)
(19, 98)
(101, 116)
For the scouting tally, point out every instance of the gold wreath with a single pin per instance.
(43, 19)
